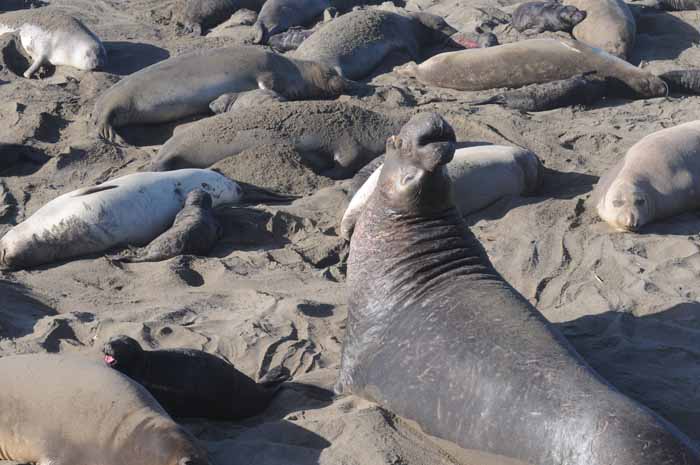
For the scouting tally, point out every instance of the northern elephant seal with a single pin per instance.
(480, 176)
(609, 25)
(69, 410)
(657, 178)
(547, 60)
(356, 43)
(436, 335)
(195, 231)
(684, 81)
(335, 138)
(186, 85)
(248, 99)
(131, 210)
(52, 36)
(193, 383)
(546, 16)
(196, 16)
(277, 16)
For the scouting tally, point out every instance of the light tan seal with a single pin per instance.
(69, 410)
(609, 25)
(533, 61)
(659, 177)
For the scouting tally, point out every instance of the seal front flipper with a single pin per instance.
(495, 100)
(38, 61)
(275, 377)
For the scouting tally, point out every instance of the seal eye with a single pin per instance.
(639, 202)
(618, 203)
(407, 179)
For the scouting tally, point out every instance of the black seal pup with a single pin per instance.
(546, 16)
(193, 383)
(436, 335)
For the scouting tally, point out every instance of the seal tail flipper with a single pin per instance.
(254, 195)
(260, 37)
(410, 69)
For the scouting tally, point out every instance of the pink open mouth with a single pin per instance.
(109, 360)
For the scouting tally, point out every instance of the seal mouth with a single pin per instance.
(111, 361)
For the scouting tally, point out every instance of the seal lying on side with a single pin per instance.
(68, 410)
(547, 60)
(193, 383)
(609, 25)
(686, 81)
(131, 210)
(436, 335)
(356, 43)
(51, 36)
(480, 176)
(187, 84)
(579, 90)
(546, 16)
(277, 16)
(657, 178)
(194, 232)
(335, 138)
(249, 99)
(197, 16)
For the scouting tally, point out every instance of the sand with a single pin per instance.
(272, 291)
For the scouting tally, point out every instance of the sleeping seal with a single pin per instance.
(196, 16)
(657, 178)
(68, 410)
(480, 176)
(194, 232)
(193, 383)
(436, 335)
(131, 210)
(547, 60)
(356, 43)
(609, 25)
(186, 85)
(247, 99)
(683, 81)
(51, 36)
(334, 138)
(546, 16)
(277, 16)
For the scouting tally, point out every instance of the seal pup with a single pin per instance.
(277, 16)
(686, 81)
(357, 42)
(657, 178)
(196, 16)
(546, 16)
(193, 383)
(69, 410)
(480, 176)
(131, 210)
(249, 99)
(436, 335)
(609, 25)
(194, 232)
(547, 60)
(185, 85)
(334, 138)
(51, 36)
(579, 90)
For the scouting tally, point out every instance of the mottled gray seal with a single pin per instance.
(187, 84)
(546, 16)
(193, 383)
(356, 43)
(436, 335)
(547, 60)
(130, 210)
(279, 15)
(657, 178)
(480, 176)
(51, 36)
(248, 99)
(194, 232)
(609, 25)
(579, 90)
(290, 39)
(69, 410)
(335, 138)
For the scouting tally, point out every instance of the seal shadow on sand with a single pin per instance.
(128, 57)
(19, 310)
(654, 359)
(662, 36)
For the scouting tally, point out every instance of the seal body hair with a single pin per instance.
(657, 178)
(49, 35)
(193, 383)
(609, 25)
(131, 210)
(547, 60)
(186, 85)
(546, 16)
(68, 410)
(436, 335)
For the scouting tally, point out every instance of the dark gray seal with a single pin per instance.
(195, 231)
(546, 16)
(193, 383)
(277, 16)
(248, 99)
(185, 85)
(686, 81)
(436, 335)
(356, 43)
(196, 16)
(334, 138)
(579, 90)
(70, 410)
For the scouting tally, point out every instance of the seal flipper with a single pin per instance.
(495, 100)
(275, 377)
(92, 190)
